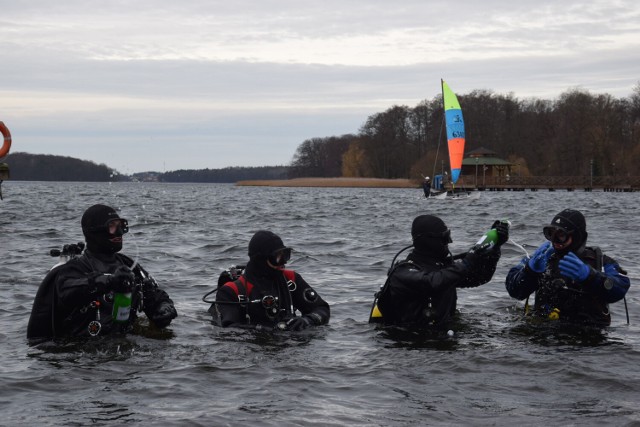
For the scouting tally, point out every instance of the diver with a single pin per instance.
(77, 298)
(266, 295)
(571, 281)
(421, 290)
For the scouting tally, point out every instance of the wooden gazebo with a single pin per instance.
(483, 163)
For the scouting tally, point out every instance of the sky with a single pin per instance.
(142, 85)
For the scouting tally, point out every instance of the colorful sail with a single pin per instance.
(455, 130)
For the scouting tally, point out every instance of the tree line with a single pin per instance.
(225, 175)
(577, 134)
(47, 167)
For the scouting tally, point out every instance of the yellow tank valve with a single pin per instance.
(555, 314)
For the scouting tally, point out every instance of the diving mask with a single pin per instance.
(112, 226)
(556, 234)
(280, 257)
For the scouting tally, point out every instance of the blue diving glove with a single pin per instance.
(539, 259)
(573, 267)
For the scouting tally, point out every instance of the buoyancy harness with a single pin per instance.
(375, 315)
(43, 321)
(554, 313)
(242, 288)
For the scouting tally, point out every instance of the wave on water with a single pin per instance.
(491, 367)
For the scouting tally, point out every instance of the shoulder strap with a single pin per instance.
(395, 266)
(403, 263)
(599, 258)
(289, 274)
(241, 287)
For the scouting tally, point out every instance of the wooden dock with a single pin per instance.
(553, 183)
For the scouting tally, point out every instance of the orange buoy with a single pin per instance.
(7, 140)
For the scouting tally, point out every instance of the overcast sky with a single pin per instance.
(161, 85)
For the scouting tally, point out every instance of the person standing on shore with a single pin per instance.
(426, 186)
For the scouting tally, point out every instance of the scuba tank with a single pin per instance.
(121, 307)
(122, 301)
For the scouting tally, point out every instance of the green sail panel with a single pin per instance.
(455, 130)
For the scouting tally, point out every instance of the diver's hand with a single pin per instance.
(298, 323)
(502, 228)
(477, 254)
(539, 259)
(121, 280)
(163, 314)
(572, 267)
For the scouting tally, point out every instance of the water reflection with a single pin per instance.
(558, 334)
(416, 338)
(497, 368)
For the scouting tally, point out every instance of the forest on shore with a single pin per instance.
(45, 167)
(577, 134)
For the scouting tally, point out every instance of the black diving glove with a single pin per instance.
(298, 323)
(502, 228)
(122, 281)
(477, 254)
(163, 314)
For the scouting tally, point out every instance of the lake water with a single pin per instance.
(497, 369)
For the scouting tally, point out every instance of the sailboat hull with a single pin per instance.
(463, 195)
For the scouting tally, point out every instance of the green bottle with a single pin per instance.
(490, 238)
(121, 307)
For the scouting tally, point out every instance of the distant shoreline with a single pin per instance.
(332, 182)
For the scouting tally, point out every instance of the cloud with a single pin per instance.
(148, 85)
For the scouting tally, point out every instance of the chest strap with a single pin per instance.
(242, 287)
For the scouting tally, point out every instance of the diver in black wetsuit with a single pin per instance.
(77, 298)
(421, 290)
(267, 294)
